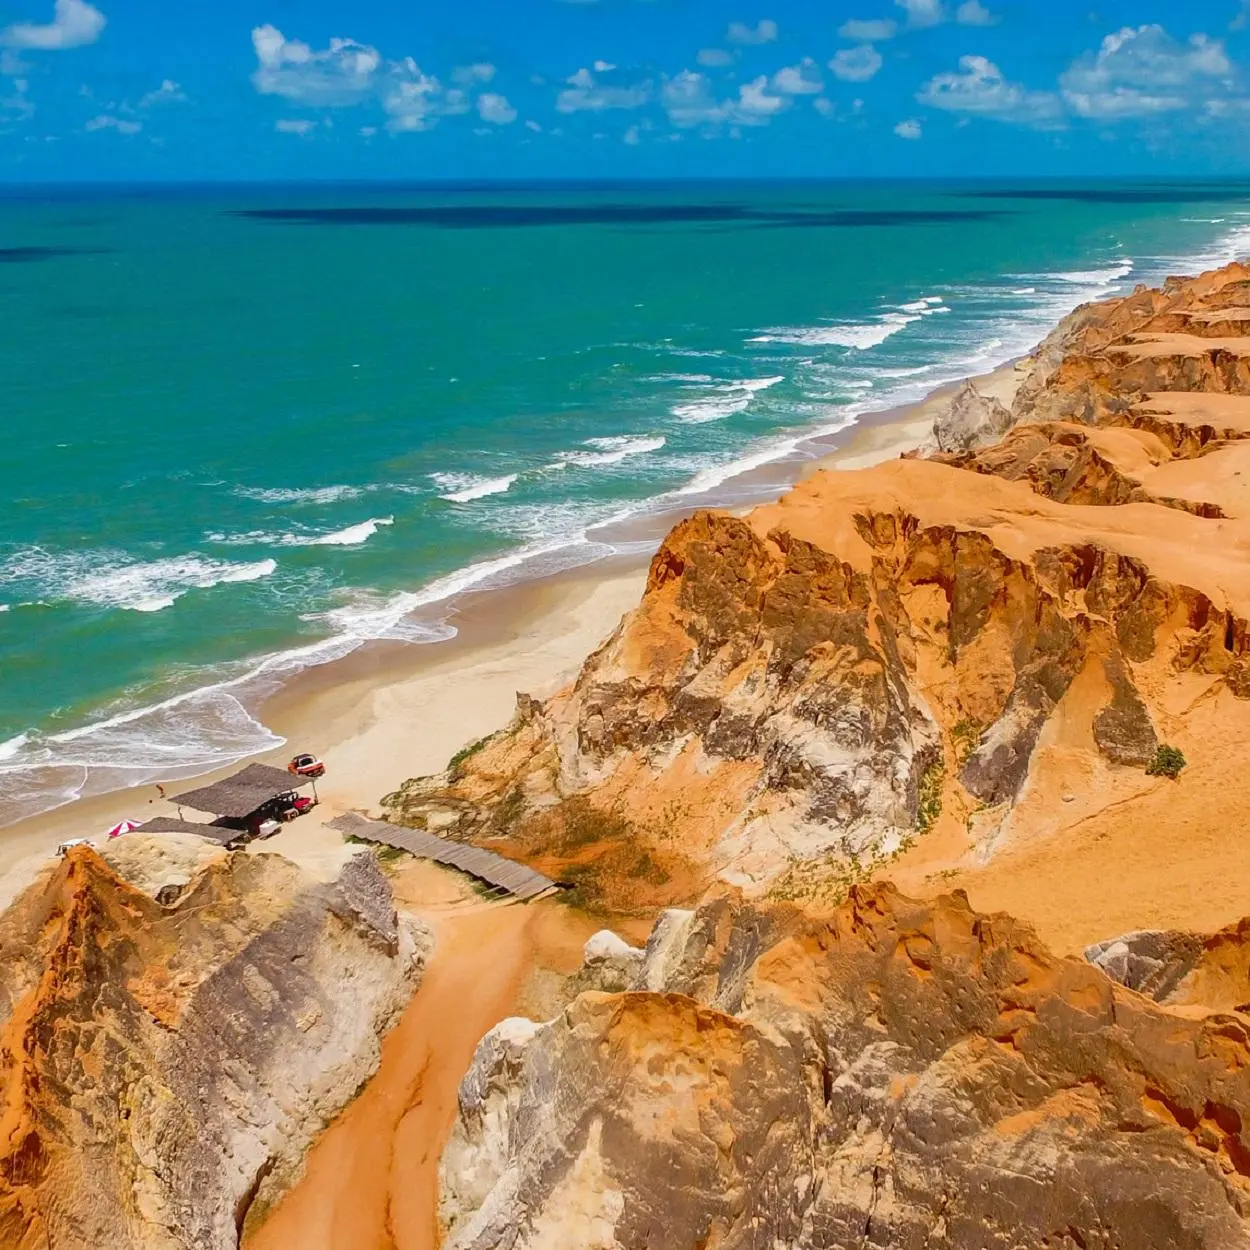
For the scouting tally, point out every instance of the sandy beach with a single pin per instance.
(391, 710)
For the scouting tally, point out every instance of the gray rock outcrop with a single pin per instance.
(903, 1075)
(167, 1064)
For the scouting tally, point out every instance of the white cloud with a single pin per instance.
(17, 106)
(974, 13)
(800, 79)
(826, 108)
(74, 25)
(1142, 71)
(411, 99)
(856, 64)
(348, 73)
(106, 121)
(534, 126)
(869, 31)
(632, 137)
(585, 93)
(604, 67)
(923, 12)
(689, 100)
(495, 109)
(294, 126)
(169, 92)
(367, 132)
(755, 106)
(764, 32)
(715, 58)
(981, 89)
(470, 75)
(342, 74)
(909, 129)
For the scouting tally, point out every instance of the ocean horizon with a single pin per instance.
(252, 427)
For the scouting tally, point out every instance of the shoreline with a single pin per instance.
(390, 710)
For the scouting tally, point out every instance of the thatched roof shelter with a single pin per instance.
(170, 824)
(243, 794)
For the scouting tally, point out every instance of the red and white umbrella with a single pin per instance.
(124, 826)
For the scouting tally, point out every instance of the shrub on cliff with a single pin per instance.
(1168, 762)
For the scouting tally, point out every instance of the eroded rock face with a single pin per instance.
(1189, 336)
(1182, 969)
(166, 1066)
(971, 420)
(806, 690)
(900, 1075)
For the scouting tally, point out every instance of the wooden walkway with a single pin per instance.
(503, 874)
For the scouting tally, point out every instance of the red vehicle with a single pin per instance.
(306, 766)
(291, 806)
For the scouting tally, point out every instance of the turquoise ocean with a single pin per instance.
(244, 430)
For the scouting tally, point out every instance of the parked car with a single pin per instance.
(66, 847)
(306, 766)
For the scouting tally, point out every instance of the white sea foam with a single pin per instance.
(301, 494)
(713, 476)
(350, 536)
(1232, 246)
(111, 579)
(465, 487)
(605, 451)
(860, 336)
(1093, 277)
(353, 535)
(12, 746)
(926, 307)
(724, 400)
(216, 726)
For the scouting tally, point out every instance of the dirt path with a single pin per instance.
(371, 1181)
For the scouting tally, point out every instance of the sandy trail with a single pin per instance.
(372, 1179)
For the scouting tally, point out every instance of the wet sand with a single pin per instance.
(391, 710)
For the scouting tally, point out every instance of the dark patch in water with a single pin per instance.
(27, 255)
(487, 216)
(82, 223)
(1117, 195)
(78, 312)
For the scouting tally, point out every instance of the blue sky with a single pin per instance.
(256, 89)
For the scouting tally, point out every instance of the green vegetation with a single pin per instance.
(1168, 762)
(646, 869)
(508, 811)
(929, 796)
(583, 824)
(967, 736)
(455, 765)
(385, 854)
(825, 881)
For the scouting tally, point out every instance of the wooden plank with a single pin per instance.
(505, 874)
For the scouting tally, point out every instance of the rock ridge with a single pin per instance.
(166, 1065)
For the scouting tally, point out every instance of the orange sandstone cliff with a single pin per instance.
(1009, 674)
(898, 1074)
(171, 1042)
(928, 664)
(1018, 664)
